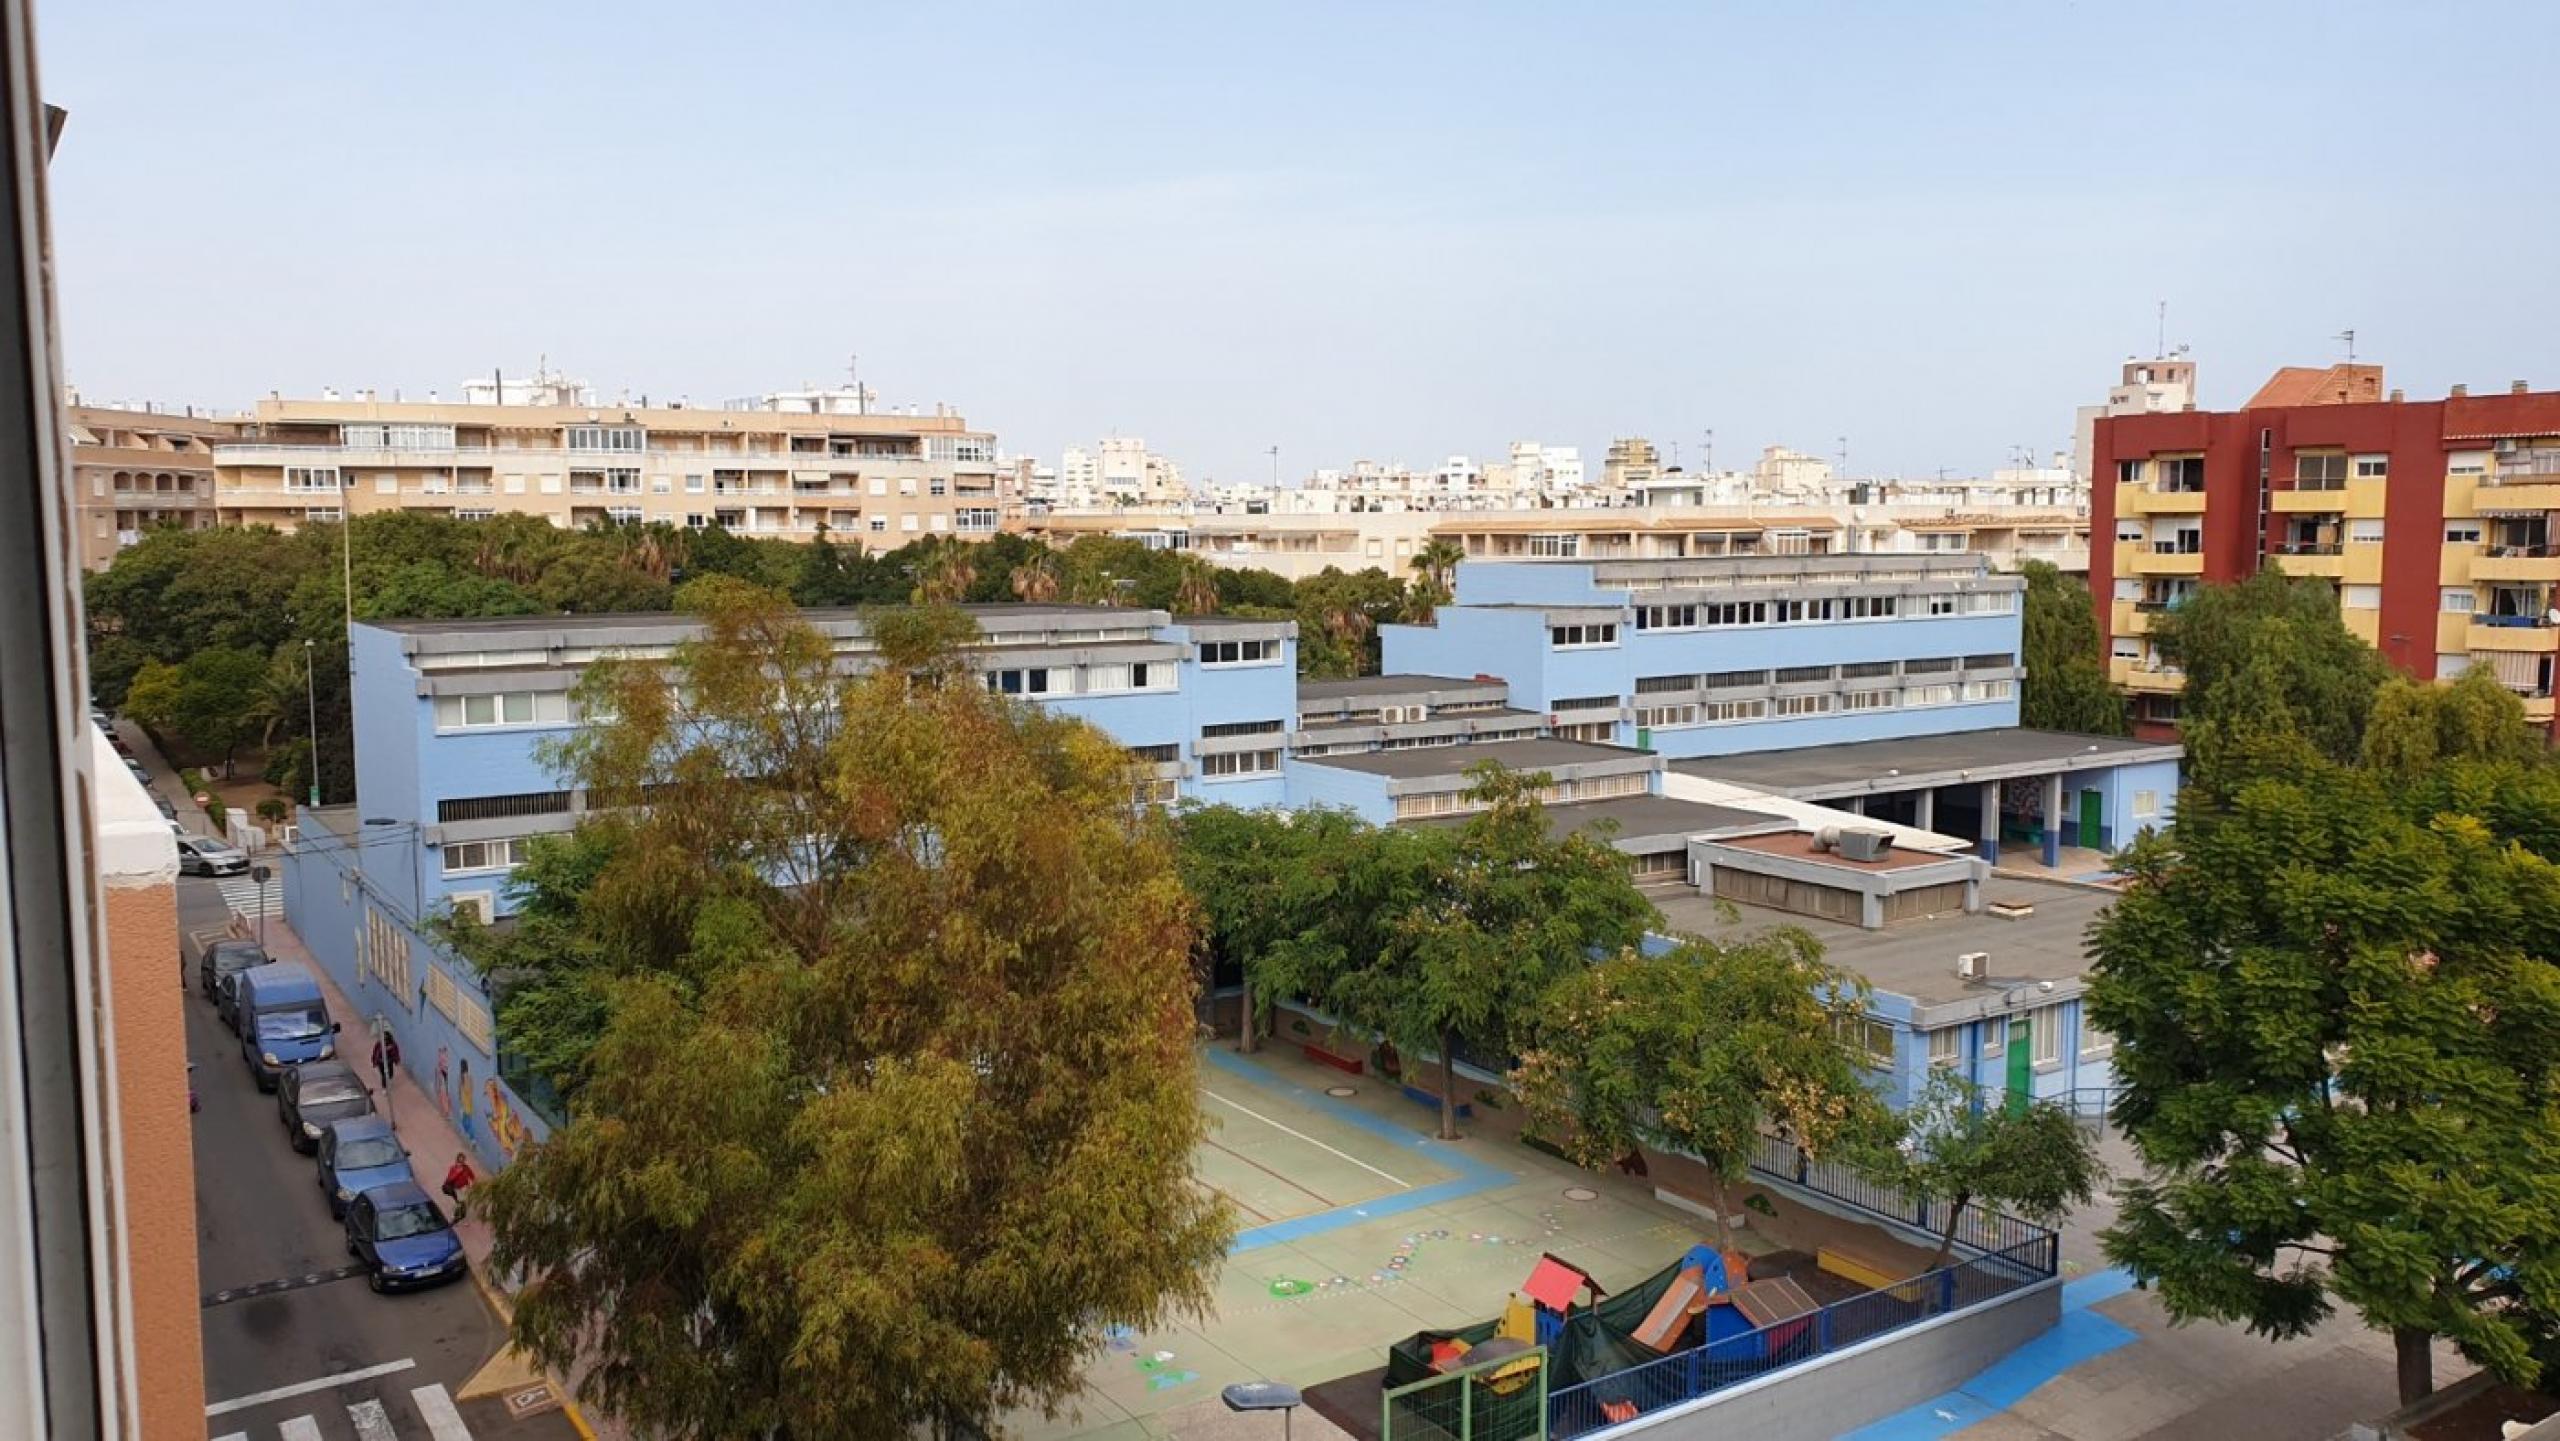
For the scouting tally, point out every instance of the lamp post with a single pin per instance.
(261, 875)
(311, 698)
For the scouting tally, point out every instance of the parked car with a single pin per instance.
(401, 1238)
(356, 1155)
(225, 958)
(140, 771)
(282, 1021)
(309, 1097)
(168, 812)
(210, 856)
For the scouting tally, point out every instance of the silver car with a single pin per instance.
(206, 856)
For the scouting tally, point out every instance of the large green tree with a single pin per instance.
(1505, 907)
(1696, 1051)
(2337, 1025)
(2066, 687)
(2034, 1160)
(2321, 672)
(890, 1107)
(2416, 726)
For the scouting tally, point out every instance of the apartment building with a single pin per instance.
(791, 465)
(2431, 519)
(135, 469)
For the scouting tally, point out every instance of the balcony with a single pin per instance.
(2326, 558)
(2516, 562)
(2533, 633)
(2146, 677)
(2149, 500)
(2160, 557)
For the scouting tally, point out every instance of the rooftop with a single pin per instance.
(1640, 816)
(640, 620)
(2319, 385)
(1386, 685)
(1908, 762)
(1798, 845)
(1543, 754)
(1917, 958)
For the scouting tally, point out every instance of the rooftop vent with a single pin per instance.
(1973, 965)
(1853, 844)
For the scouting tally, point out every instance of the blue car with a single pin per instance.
(357, 1155)
(404, 1242)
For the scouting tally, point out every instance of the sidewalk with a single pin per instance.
(433, 1142)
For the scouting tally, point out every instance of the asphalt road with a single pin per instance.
(351, 1365)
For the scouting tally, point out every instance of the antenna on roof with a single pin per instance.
(2348, 336)
(2161, 349)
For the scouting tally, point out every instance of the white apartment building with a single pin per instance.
(1121, 471)
(793, 464)
(2162, 384)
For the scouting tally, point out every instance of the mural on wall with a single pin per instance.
(468, 1133)
(509, 1132)
(444, 1092)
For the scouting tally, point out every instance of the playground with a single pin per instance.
(1358, 1230)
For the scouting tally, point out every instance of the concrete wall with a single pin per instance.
(153, 1209)
(1821, 1399)
(1311, 783)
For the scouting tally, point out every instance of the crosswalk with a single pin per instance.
(246, 896)
(430, 1415)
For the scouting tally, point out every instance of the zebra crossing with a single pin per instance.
(430, 1415)
(247, 897)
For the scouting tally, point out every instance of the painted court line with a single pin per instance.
(2079, 1336)
(1321, 1198)
(305, 1388)
(1401, 1185)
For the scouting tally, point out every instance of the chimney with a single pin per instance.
(2398, 395)
(2517, 387)
(2459, 391)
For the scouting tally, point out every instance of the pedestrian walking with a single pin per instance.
(458, 1178)
(386, 1057)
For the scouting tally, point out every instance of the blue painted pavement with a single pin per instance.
(2080, 1335)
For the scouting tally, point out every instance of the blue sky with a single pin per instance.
(1396, 231)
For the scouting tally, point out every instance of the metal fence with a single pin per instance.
(1703, 1370)
(1976, 1228)
(1504, 1399)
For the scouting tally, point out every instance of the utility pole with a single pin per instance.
(311, 699)
(1708, 462)
(1275, 467)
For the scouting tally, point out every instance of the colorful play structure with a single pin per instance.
(1704, 1305)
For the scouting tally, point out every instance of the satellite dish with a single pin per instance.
(2551, 616)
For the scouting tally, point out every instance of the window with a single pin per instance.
(693, 484)
(1866, 669)
(464, 857)
(396, 437)
(2319, 472)
(906, 485)
(626, 439)
(1929, 695)
(471, 513)
(2462, 532)
(1664, 684)
(1667, 617)
(1868, 607)
(1735, 612)
(329, 514)
(2129, 532)
(1155, 755)
(1157, 791)
(1870, 1038)
(2183, 473)
(2094, 1042)
(507, 708)
(907, 521)
(1239, 652)
(2128, 472)
(1735, 679)
(1720, 712)
(879, 523)
(1995, 1036)
(466, 1012)
(382, 952)
(1867, 700)
(1555, 545)
(1031, 680)
(2360, 597)
(1564, 637)
(1239, 764)
(1240, 728)
(2451, 667)
(2372, 467)
(1136, 675)
(975, 520)
(1800, 705)
(1601, 702)
(2364, 532)
(491, 808)
(1946, 1045)
(2044, 1034)
(1799, 674)
(311, 477)
(1943, 604)
(1979, 690)
(1666, 717)
(2459, 600)
(2146, 804)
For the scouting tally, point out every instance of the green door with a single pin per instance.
(2093, 830)
(2021, 1067)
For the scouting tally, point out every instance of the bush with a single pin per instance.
(273, 810)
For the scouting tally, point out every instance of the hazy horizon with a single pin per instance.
(1345, 232)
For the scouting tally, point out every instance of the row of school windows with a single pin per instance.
(1727, 614)
(1874, 1039)
(1727, 712)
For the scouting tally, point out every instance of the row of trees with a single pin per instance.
(2333, 991)
(223, 638)
(1500, 938)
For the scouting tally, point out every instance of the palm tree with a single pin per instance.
(1036, 579)
(1197, 591)
(1436, 571)
(946, 574)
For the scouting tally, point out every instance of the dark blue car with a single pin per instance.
(356, 1155)
(404, 1242)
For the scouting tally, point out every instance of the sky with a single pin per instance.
(1384, 231)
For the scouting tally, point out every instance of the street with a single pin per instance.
(297, 1347)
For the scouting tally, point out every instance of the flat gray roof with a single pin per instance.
(1541, 754)
(1917, 957)
(1644, 816)
(1368, 685)
(630, 620)
(1368, 720)
(1909, 762)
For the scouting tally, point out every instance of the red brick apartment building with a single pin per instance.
(2432, 518)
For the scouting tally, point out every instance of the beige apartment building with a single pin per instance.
(133, 469)
(791, 465)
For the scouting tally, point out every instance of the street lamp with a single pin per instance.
(311, 698)
(261, 875)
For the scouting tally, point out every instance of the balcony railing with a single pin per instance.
(2526, 467)
(2177, 547)
(2309, 547)
(2501, 551)
(2538, 621)
(2319, 482)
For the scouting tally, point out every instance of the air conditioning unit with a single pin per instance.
(1864, 845)
(1973, 965)
(481, 906)
(1827, 839)
(2506, 445)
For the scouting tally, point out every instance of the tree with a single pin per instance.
(1196, 588)
(2337, 1027)
(1696, 1051)
(1339, 613)
(593, 580)
(2323, 673)
(151, 698)
(2416, 725)
(2067, 687)
(1435, 569)
(2033, 1160)
(217, 701)
(890, 1098)
(1504, 908)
